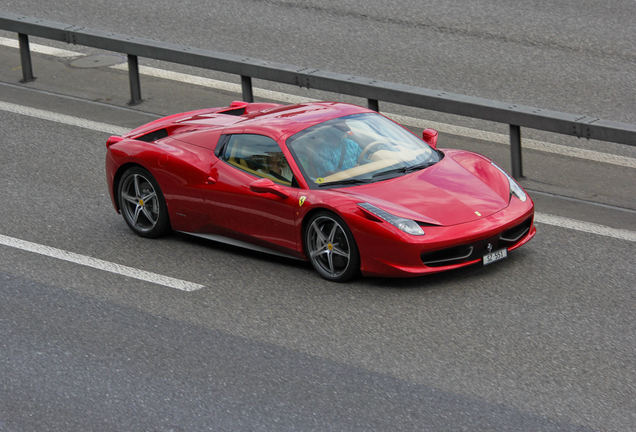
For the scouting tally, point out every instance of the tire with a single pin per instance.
(331, 248)
(142, 203)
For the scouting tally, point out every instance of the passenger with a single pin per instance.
(277, 167)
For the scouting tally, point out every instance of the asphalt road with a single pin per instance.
(544, 340)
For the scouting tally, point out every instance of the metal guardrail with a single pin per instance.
(516, 116)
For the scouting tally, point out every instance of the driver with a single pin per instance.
(336, 152)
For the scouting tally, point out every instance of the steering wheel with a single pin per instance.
(368, 149)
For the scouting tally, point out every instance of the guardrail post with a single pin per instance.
(246, 84)
(373, 104)
(515, 152)
(135, 84)
(25, 58)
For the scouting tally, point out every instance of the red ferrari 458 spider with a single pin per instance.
(336, 184)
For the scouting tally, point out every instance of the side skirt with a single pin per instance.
(239, 243)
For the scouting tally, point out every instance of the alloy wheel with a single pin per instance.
(329, 248)
(139, 203)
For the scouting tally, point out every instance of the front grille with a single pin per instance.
(476, 250)
(460, 254)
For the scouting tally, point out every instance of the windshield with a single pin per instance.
(360, 148)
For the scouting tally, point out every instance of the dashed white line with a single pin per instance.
(405, 120)
(40, 49)
(62, 118)
(214, 84)
(586, 227)
(99, 264)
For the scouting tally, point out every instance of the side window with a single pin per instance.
(258, 155)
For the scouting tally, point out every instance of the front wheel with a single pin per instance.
(331, 248)
(142, 203)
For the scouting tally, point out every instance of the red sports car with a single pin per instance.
(336, 184)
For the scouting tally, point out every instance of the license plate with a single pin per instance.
(495, 256)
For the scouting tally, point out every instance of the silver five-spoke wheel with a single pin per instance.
(331, 247)
(142, 204)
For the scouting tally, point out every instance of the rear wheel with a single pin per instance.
(331, 248)
(142, 203)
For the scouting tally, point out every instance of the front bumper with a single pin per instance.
(387, 253)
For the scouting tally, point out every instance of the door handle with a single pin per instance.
(210, 180)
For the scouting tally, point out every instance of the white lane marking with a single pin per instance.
(40, 49)
(63, 118)
(99, 264)
(587, 227)
(214, 84)
(405, 120)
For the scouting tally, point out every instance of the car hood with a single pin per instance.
(462, 187)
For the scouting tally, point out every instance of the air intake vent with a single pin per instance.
(153, 136)
(514, 234)
(234, 112)
(447, 256)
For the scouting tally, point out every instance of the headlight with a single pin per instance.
(406, 225)
(515, 189)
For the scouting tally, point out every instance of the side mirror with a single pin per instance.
(267, 186)
(430, 137)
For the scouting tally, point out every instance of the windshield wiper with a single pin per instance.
(405, 169)
(420, 166)
(344, 182)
